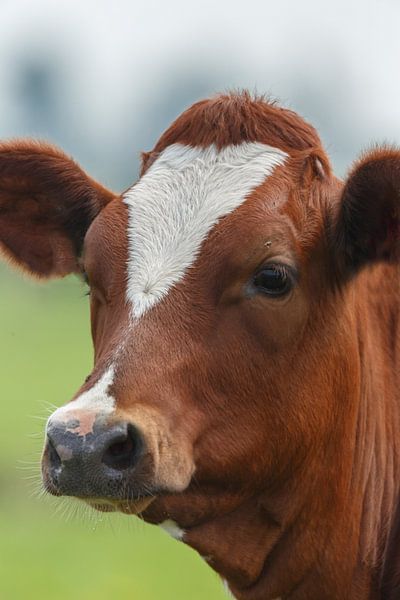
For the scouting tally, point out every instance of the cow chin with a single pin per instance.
(128, 507)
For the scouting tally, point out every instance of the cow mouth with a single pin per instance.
(103, 496)
(128, 507)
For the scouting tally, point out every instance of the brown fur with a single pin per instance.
(287, 408)
(236, 118)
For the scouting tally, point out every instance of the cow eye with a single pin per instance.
(273, 280)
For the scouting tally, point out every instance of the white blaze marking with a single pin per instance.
(96, 398)
(173, 529)
(175, 204)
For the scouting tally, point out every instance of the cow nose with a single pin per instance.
(116, 447)
(94, 464)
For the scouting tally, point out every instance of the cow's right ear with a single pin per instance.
(47, 204)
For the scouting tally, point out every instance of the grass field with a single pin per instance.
(45, 551)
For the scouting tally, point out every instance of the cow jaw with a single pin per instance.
(234, 535)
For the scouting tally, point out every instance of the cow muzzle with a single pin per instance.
(89, 457)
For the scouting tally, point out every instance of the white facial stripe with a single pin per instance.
(96, 398)
(175, 204)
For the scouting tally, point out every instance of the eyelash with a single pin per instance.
(280, 283)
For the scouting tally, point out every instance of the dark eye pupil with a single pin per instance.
(272, 280)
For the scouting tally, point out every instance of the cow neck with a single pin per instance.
(376, 472)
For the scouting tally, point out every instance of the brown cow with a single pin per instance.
(244, 306)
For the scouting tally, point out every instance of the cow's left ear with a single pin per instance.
(367, 227)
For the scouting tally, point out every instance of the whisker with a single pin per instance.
(49, 405)
(35, 434)
(38, 417)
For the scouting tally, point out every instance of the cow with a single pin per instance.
(244, 314)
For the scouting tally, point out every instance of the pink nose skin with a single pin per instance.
(96, 461)
(81, 422)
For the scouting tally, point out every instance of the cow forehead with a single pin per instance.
(174, 205)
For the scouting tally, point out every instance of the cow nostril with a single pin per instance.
(122, 453)
(54, 457)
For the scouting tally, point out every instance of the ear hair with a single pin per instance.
(312, 164)
(319, 164)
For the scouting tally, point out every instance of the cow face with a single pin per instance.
(219, 306)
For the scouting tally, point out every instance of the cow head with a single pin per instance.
(225, 374)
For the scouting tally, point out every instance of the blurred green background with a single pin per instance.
(52, 549)
(103, 80)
